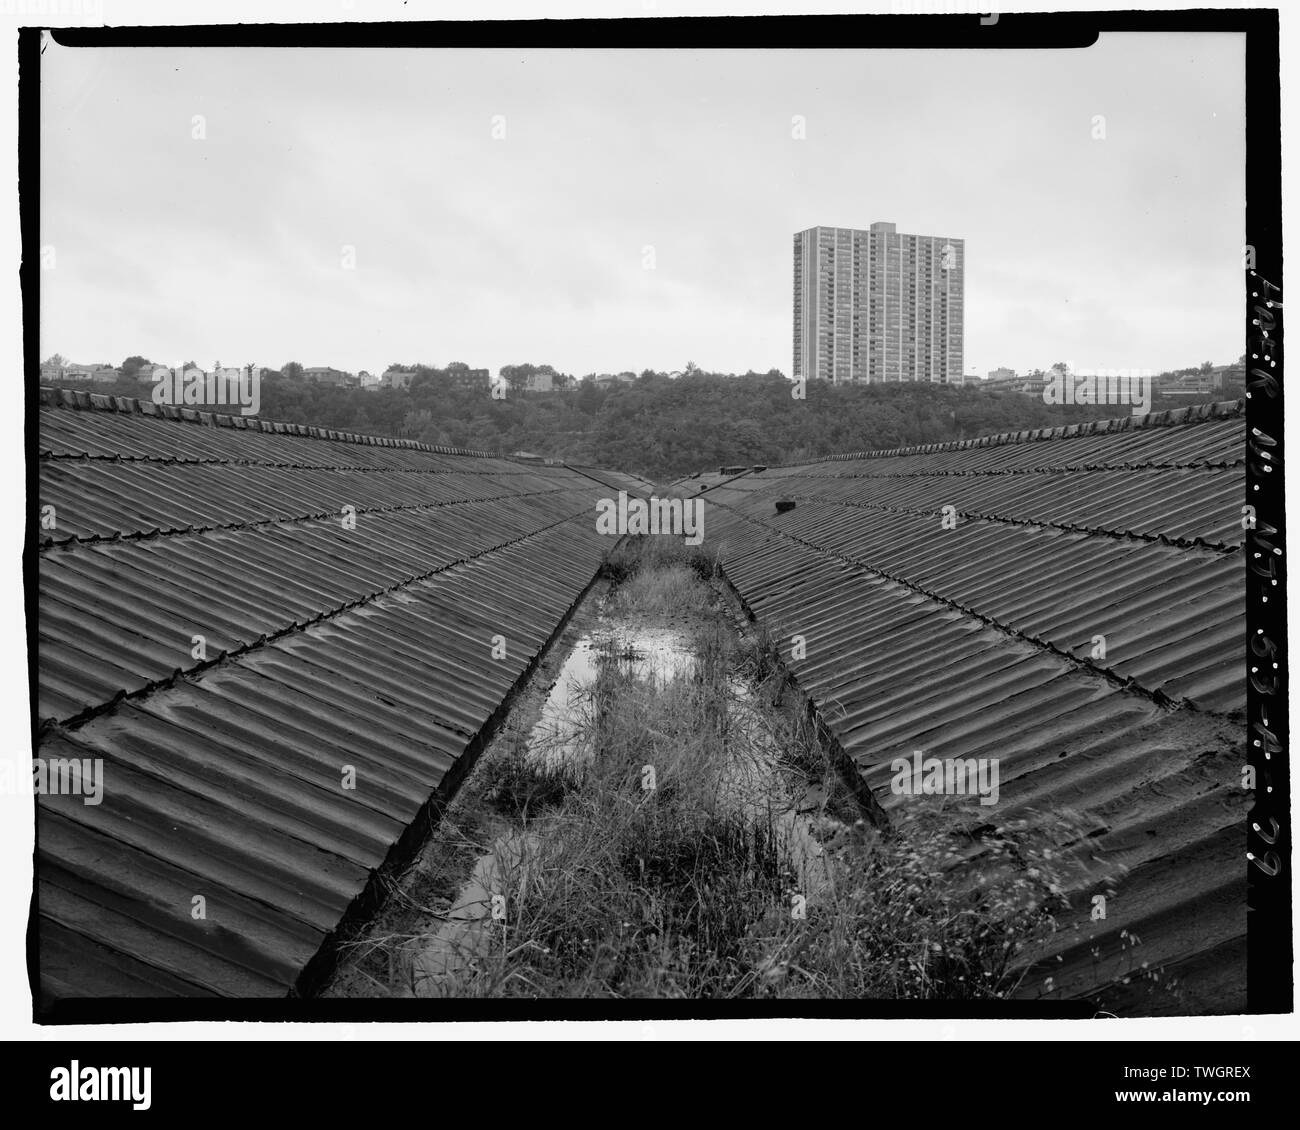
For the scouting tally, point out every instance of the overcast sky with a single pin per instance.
(1122, 252)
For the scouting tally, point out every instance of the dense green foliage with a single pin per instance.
(665, 428)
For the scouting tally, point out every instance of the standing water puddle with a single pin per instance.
(659, 655)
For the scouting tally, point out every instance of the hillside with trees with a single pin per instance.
(659, 426)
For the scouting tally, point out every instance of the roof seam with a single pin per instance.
(76, 721)
(1090, 468)
(1196, 544)
(180, 531)
(81, 401)
(586, 473)
(88, 457)
(1131, 685)
(1170, 417)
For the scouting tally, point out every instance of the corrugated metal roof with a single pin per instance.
(616, 480)
(329, 651)
(371, 648)
(702, 482)
(978, 641)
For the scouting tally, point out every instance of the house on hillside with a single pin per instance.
(397, 378)
(105, 374)
(1008, 380)
(325, 375)
(1032, 384)
(1200, 382)
(471, 378)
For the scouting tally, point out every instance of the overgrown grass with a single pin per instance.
(635, 872)
(642, 881)
(667, 591)
(513, 787)
(645, 554)
(928, 912)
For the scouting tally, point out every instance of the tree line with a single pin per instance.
(659, 426)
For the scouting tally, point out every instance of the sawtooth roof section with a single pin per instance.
(331, 654)
(982, 641)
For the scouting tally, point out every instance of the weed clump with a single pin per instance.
(646, 553)
(929, 911)
(515, 786)
(622, 561)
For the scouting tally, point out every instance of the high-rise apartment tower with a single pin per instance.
(875, 305)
